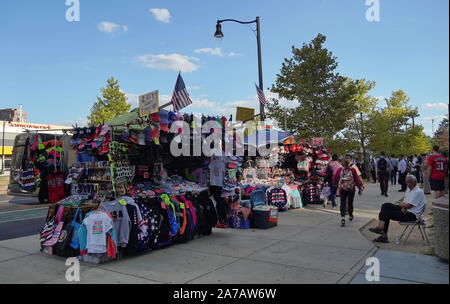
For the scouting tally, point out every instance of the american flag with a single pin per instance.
(180, 97)
(261, 97)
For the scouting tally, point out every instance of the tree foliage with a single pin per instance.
(441, 134)
(112, 104)
(323, 96)
(392, 131)
(359, 127)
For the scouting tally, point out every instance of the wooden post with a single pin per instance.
(165, 105)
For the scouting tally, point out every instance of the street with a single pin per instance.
(20, 216)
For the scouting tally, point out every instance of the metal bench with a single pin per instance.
(420, 223)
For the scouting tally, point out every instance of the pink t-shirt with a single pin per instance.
(334, 165)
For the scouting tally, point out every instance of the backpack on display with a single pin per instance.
(382, 164)
(257, 198)
(347, 182)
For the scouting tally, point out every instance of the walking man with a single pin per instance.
(383, 169)
(394, 163)
(402, 169)
(437, 167)
(425, 176)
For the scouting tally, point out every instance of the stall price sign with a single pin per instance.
(244, 114)
(148, 103)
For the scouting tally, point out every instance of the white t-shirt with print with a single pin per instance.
(217, 171)
(97, 224)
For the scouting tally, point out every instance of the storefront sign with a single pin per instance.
(244, 114)
(148, 103)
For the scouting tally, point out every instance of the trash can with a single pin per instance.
(440, 219)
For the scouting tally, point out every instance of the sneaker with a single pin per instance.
(342, 222)
(350, 218)
(386, 195)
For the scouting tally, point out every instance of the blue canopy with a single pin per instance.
(267, 136)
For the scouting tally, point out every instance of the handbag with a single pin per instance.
(57, 231)
(49, 228)
(62, 247)
(75, 224)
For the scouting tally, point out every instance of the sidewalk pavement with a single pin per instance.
(307, 246)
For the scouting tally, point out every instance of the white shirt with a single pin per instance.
(415, 197)
(217, 171)
(402, 166)
(97, 225)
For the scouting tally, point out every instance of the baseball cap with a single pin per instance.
(164, 116)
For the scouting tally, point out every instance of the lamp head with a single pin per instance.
(218, 33)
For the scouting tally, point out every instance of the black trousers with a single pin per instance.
(402, 180)
(347, 197)
(222, 207)
(383, 177)
(393, 212)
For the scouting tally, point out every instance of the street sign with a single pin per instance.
(148, 103)
(244, 114)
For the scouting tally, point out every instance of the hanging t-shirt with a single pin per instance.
(97, 224)
(56, 187)
(217, 172)
(121, 219)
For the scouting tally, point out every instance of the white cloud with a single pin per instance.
(172, 62)
(436, 106)
(215, 52)
(110, 27)
(211, 51)
(437, 119)
(193, 88)
(161, 14)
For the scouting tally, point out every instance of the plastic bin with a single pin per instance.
(264, 217)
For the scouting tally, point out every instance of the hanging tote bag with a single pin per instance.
(59, 225)
(76, 223)
(49, 228)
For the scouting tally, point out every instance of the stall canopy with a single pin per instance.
(125, 119)
(268, 136)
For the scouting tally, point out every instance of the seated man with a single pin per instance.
(410, 210)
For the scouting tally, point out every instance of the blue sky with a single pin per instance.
(55, 68)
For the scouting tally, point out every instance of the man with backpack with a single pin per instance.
(383, 169)
(346, 180)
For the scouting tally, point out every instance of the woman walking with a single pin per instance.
(346, 179)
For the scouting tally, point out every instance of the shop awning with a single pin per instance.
(268, 136)
(125, 119)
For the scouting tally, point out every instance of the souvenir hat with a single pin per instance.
(164, 116)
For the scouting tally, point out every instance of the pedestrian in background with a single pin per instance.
(331, 169)
(425, 176)
(373, 171)
(403, 171)
(394, 163)
(347, 180)
(383, 169)
(437, 168)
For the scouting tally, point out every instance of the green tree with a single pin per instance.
(441, 135)
(323, 96)
(391, 130)
(112, 104)
(359, 128)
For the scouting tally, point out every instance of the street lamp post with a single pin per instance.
(3, 148)
(219, 34)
